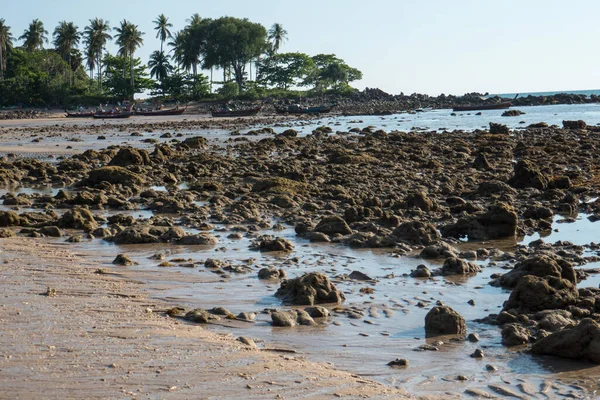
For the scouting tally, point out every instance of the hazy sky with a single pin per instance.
(432, 46)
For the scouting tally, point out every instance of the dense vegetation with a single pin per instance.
(79, 70)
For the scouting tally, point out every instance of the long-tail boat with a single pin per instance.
(297, 109)
(246, 112)
(80, 114)
(154, 113)
(483, 106)
(112, 115)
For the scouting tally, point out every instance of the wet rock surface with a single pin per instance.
(309, 289)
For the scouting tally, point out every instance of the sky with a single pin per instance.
(431, 47)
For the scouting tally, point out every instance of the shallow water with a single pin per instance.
(393, 325)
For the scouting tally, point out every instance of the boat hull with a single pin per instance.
(308, 110)
(236, 113)
(483, 107)
(80, 114)
(158, 113)
(113, 116)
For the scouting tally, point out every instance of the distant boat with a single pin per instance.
(297, 109)
(246, 112)
(80, 114)
(483, 106)
(170, 111)
(112, 115)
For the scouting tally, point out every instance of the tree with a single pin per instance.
(129, 38)
(277, 35)
(5, 44)
(331, 72)
(96, 35)
(285, 69)
(159, 66)
(119, 86)
(233, 43)
(66, 39)
(34, 36)
(162, 28)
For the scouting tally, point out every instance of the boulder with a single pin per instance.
(574, 124)
(579, 342)
(332, 225)
(149, 234)
(539, 265)
(309, 289)
(481, 162)
(526, 175)
(419, 200)
(458, 266)
(9, 218)
(421, 272)
(500, 221)
(114, 175)
(271, 273)
(291, 318)
(417, 233)
(201, 316)
(443, 320)
(123, 259)
(533, 294)
(438, 250)
(514, 335)
(269, 243)
(204, 239)
(130, 156)
(499, 129)
(78, 218)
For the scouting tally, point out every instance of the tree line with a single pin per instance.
(79, 68)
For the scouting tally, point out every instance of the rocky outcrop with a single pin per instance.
(541, 266)
(500, 221)
(579, 342)
(534, 294)
(526, 175)
(443, 320)
(333, 225)
(416, 232)
(458, 266)
(309, 289)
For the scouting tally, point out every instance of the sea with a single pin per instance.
(525, 94)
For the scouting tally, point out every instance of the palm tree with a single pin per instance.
(129, 38)
(277, 35)
(96, 35)
(160, 67)
(34, 36)
(66, 39)
(5, 44)
(162, 26)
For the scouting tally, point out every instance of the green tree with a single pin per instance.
(285, 69)
(159, 67)
(277, 35)
(66, 39)
(233, 43)
(5, 44)
(331, 72)
(119, 86)
(96, 35)
(34, 36)
(129, 38)
(162, 27)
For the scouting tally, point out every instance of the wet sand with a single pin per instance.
(100, 336)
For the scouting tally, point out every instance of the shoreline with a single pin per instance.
(97, 338)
